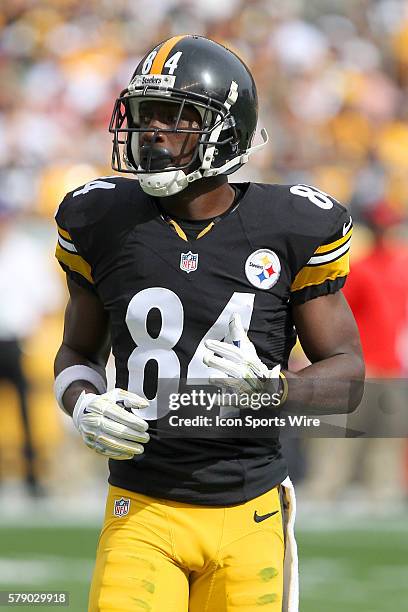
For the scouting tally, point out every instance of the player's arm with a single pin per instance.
(80, 384)
(86, 341)
(324, 322)
(328, 333)
(333, 384)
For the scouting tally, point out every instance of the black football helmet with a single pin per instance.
(187, 71)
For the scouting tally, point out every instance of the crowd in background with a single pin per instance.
(332, 78)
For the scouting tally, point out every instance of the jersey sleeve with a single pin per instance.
(68, 254)
(93, 221)
(326, 270)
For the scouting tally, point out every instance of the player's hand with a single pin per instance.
(237, 360)
(108, 427)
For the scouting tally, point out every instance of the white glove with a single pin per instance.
(107, 427)
(237, 359)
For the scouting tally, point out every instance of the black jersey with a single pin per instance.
(165, 295)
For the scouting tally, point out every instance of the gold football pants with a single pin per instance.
(157, 555)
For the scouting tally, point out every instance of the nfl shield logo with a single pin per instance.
(121, 506)
(189, 262)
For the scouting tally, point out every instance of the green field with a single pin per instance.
(363, 568)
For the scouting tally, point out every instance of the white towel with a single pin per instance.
(290, 602)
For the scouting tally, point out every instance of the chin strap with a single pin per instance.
(163, 184)
(241, 159)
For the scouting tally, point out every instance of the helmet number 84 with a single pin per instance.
(171, 63)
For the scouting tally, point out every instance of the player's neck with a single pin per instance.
(204, 199)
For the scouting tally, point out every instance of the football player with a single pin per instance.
(188, 277)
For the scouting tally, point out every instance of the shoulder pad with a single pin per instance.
(309, 221)
(91, 202)
(307, 210)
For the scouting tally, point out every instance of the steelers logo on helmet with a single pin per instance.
(263, 268)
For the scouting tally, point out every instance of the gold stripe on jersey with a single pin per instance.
(64, 233)
(163, 53)
(206, 230)
(334, 245)
(316, 275)
(74, 262)
(324, 258)
(180, 232)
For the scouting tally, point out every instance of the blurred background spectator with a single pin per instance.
(333, 87)
(30, 290)
(377, 291)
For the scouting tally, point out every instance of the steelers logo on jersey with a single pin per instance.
(262, 268)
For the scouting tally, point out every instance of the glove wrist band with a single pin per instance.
(73, 374)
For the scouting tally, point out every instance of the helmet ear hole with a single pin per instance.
(228, 145)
